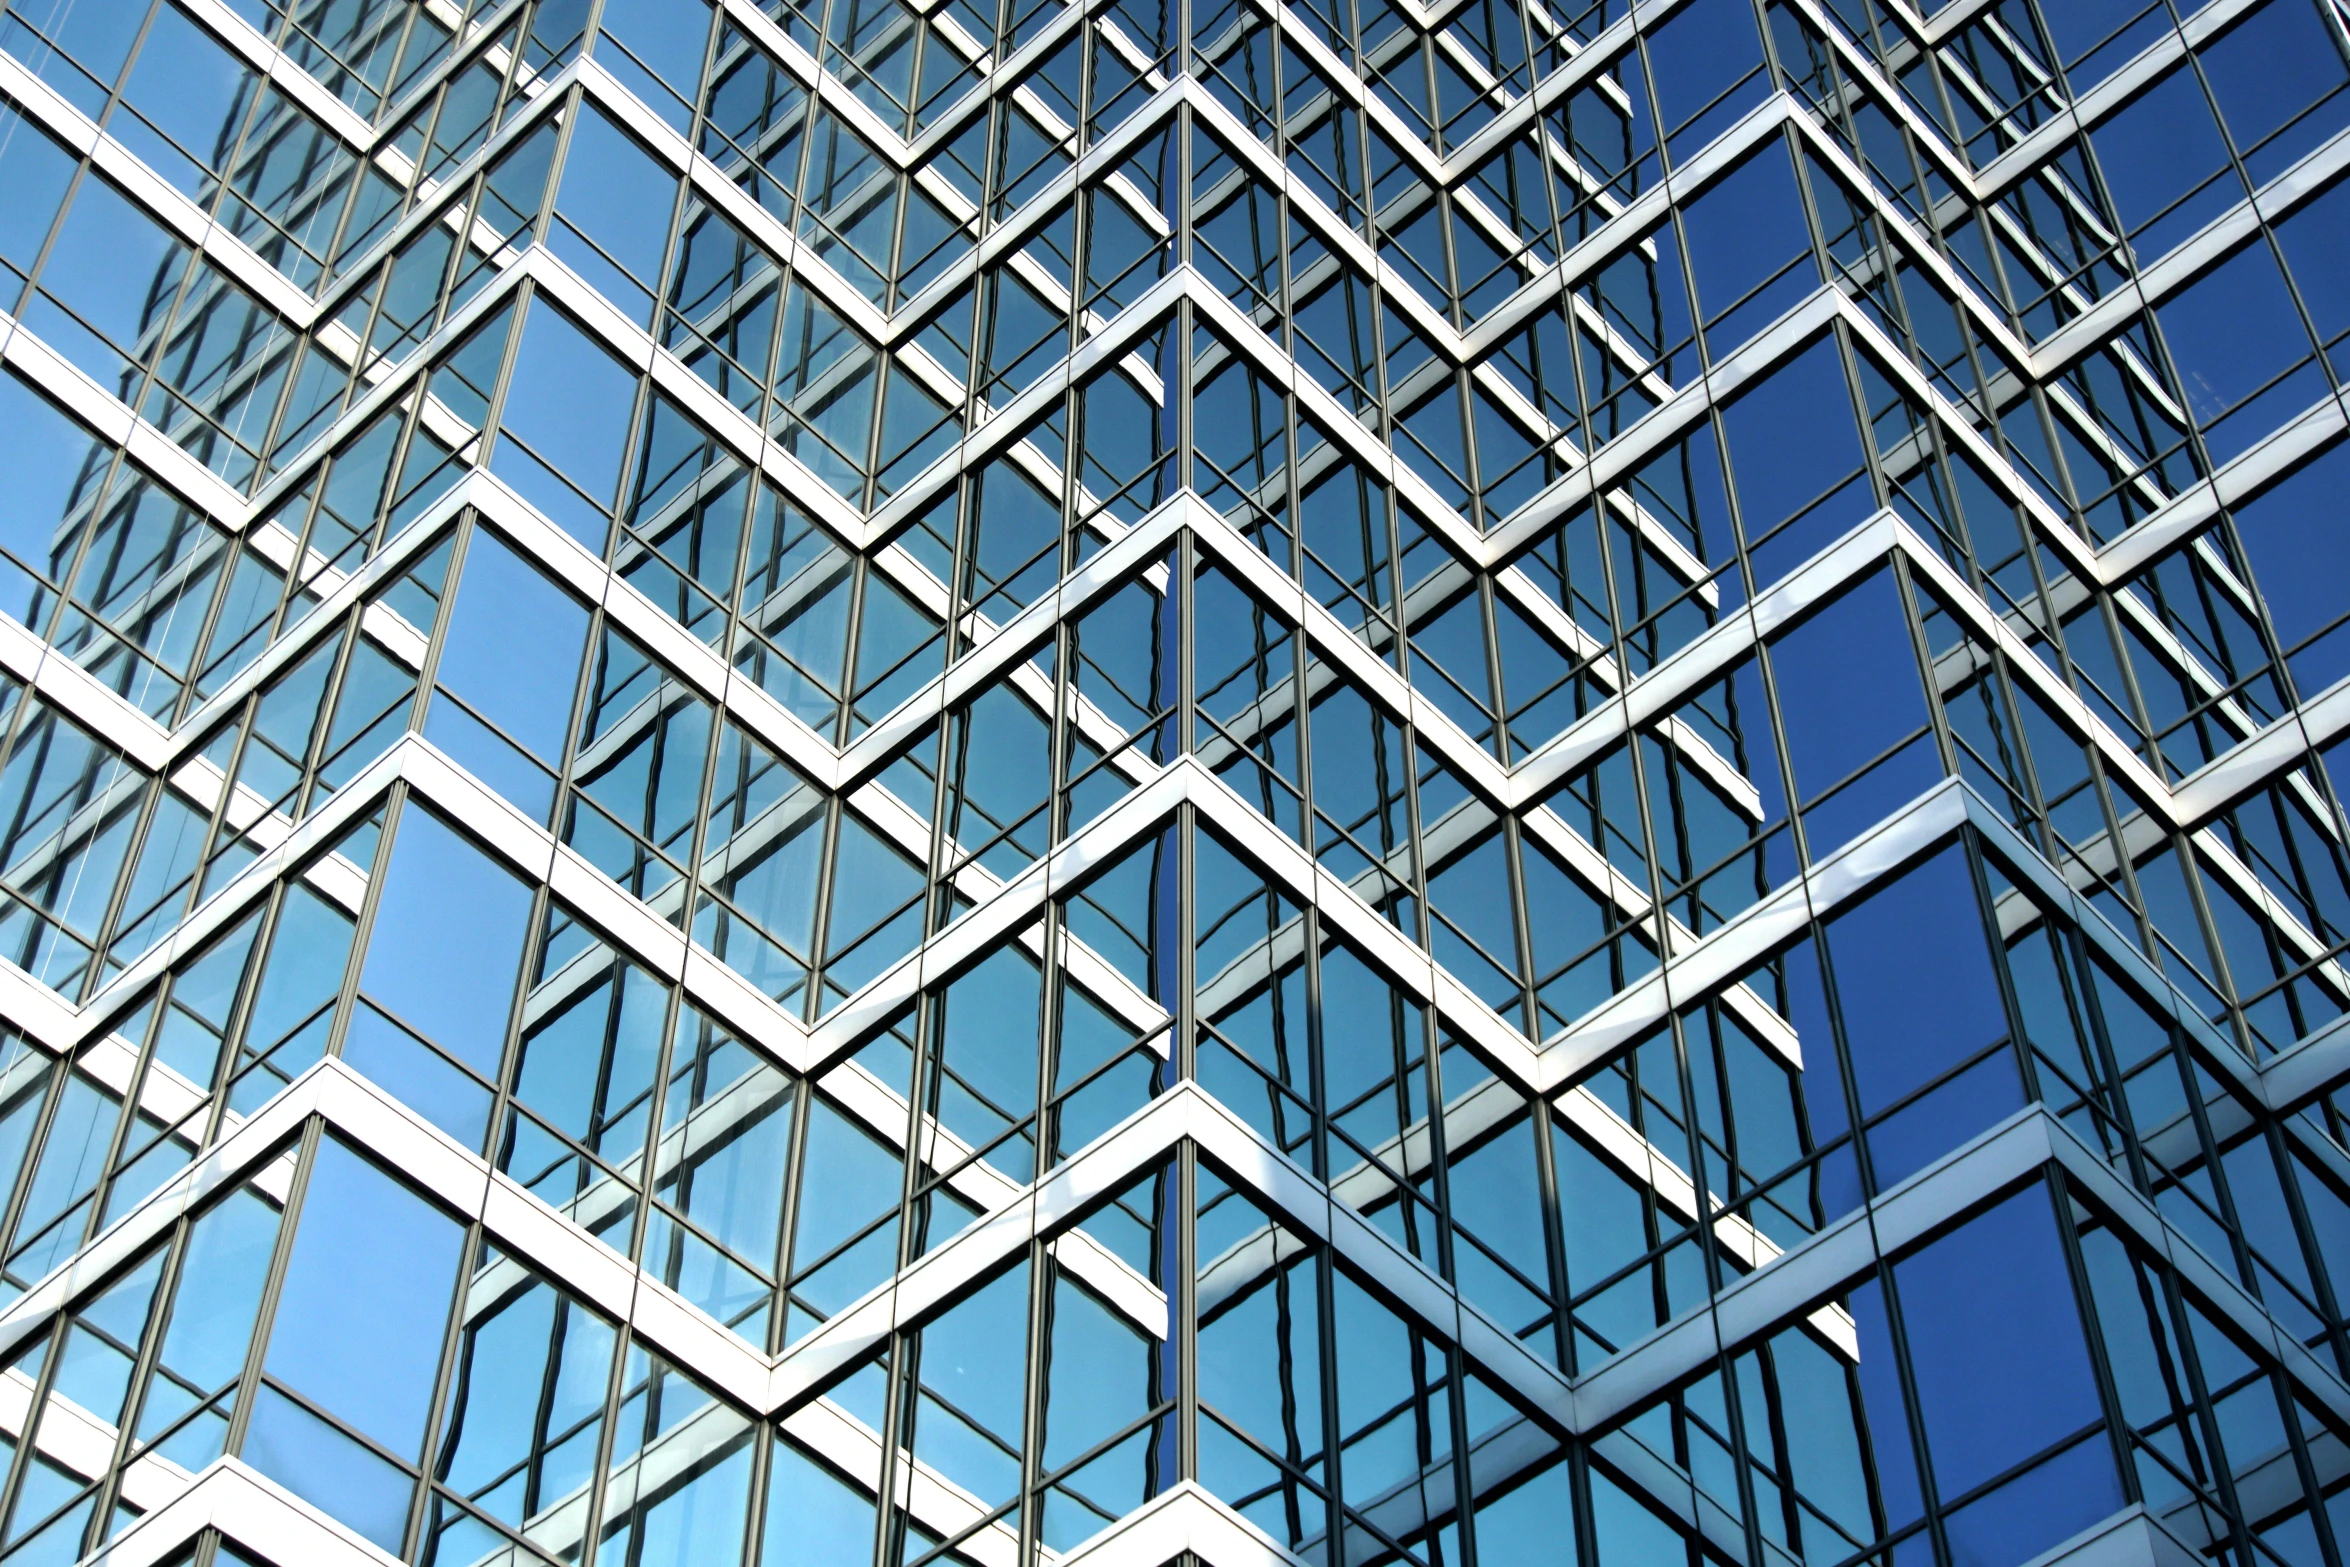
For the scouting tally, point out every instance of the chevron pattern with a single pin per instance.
(1257, 781)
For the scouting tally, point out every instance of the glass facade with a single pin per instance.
(912, 783)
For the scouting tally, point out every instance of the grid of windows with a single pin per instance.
(1476, 784)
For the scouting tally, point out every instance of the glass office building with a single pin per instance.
(924, 783)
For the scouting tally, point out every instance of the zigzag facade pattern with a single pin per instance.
(1235, 782)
